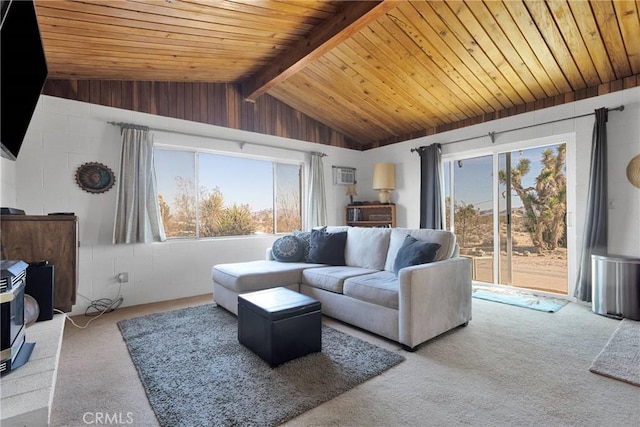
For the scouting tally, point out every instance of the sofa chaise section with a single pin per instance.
(233, 279)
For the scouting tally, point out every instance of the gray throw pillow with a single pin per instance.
(327, 248)
(414, 252)
(288, 249)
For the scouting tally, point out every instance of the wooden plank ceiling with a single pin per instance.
(377, 72)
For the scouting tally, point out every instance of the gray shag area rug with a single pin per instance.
(620, 357)
(196, 373)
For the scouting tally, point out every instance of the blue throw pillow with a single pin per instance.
(414, 252)
(288, 249)
(327, 248)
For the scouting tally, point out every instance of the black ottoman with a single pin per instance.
(279, 324)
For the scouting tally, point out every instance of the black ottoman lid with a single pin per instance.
(279, 303)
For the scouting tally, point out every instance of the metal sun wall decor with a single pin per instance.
(95, 177)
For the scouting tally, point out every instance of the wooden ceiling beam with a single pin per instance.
(349, 20)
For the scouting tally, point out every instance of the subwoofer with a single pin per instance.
(40, 277)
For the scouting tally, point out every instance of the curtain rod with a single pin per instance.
(239, 142)
(492, 135)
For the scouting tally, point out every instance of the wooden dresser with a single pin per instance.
(52, 238)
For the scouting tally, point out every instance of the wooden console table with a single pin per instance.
(54, 238)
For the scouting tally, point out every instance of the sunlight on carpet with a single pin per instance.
(518, 298)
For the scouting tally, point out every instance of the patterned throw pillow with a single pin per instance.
(305, 236)
(288, 249)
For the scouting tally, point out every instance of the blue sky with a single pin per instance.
(241, 179)
(473, 181)
(236, 177)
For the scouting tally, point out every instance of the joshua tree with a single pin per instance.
(545, 204)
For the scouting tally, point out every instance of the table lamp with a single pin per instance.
(351, 191)
(384, 180)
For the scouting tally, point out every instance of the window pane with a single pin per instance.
(536, 249)
(473, 213)
(288, 213)
(236, 195)
(175, 175)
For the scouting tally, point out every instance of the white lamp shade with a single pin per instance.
(384, 176)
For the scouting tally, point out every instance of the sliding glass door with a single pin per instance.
(469, 201)
(532, 217)
(508, 210)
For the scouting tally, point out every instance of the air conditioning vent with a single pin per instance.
(344, 176)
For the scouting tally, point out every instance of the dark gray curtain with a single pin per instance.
(430, 187)
(595, 227)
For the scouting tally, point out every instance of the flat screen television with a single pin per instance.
(23, 72)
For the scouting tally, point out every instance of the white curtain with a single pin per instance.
(138, 217)
(317, 201)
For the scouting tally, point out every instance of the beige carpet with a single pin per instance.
(620, 358)
(510, 366)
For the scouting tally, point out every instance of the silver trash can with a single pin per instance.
(615, 285)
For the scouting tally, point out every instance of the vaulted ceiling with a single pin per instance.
(375, 71)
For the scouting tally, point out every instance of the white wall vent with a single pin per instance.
(344, 175)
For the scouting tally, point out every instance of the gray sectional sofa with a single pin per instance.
(377, 289)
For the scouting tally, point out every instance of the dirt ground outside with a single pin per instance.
(546, 271)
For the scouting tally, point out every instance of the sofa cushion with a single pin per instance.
(288, 248)
(380, 288)
(256, 275)
(414, 252)
(446, 240)
(367, 247)
(331, 278)
(327, 248)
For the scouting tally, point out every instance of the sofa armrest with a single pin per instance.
(433, 298)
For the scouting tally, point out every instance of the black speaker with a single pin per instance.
(40, 287)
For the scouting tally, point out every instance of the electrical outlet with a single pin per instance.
(123, 277)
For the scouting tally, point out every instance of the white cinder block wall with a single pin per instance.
(65, 134)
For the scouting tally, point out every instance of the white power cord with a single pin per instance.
(97, 308)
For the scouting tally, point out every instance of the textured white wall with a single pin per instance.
(7, 183)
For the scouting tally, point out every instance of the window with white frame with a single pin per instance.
(203, 194)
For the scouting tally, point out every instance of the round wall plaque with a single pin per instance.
(95, 177)
(633, 171)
